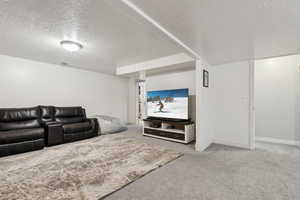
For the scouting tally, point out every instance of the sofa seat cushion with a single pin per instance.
(70, 120)
(29, 124)
(21, 135)
(77, 127)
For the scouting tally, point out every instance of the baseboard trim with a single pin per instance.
(277, 141)
(201, 148)
(239, 145)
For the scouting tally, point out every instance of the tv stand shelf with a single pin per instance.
(177, 131)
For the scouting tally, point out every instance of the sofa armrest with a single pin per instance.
(55, 134)
(51, 123)
(95, 125)
(45, 124)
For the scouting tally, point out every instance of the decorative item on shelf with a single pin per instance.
(155, 125)
(170, 127)
(205, 78)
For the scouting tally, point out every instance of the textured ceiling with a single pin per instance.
(110, 32)
(231, 30)
(113, 35)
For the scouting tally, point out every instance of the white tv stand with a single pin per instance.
(177, 131)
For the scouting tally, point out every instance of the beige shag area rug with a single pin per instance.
(89, 169)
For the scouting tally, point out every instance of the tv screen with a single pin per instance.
(168, 104)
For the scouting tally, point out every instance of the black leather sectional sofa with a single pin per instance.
(28, 129)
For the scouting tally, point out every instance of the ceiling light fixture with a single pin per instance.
(70, 45)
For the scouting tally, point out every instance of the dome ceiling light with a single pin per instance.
(70, 45)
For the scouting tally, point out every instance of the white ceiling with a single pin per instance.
(113, 35)
(231, 30)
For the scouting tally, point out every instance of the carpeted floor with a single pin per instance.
(220, 173)
(85, 170)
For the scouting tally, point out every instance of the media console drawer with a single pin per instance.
(166, 134)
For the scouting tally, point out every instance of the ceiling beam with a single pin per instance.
(161, 28)
(163, 62)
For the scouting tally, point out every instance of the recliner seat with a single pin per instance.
(21, 135)
(72, 123)
(20, 130)
(75, 125)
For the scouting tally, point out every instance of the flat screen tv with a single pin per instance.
(168, 104)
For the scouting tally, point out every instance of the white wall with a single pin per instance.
(231, 103)
(277, 86)
(175, 80)
(223, 110)
(201, 99)
(204, 108)
(132, 101)
(29, 83)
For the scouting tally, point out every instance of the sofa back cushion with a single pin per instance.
(47, 113)
(69, 114)
(19, 118)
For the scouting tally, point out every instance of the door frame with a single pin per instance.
(252, 104)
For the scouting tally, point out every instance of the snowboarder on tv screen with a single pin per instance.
(161, 105)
